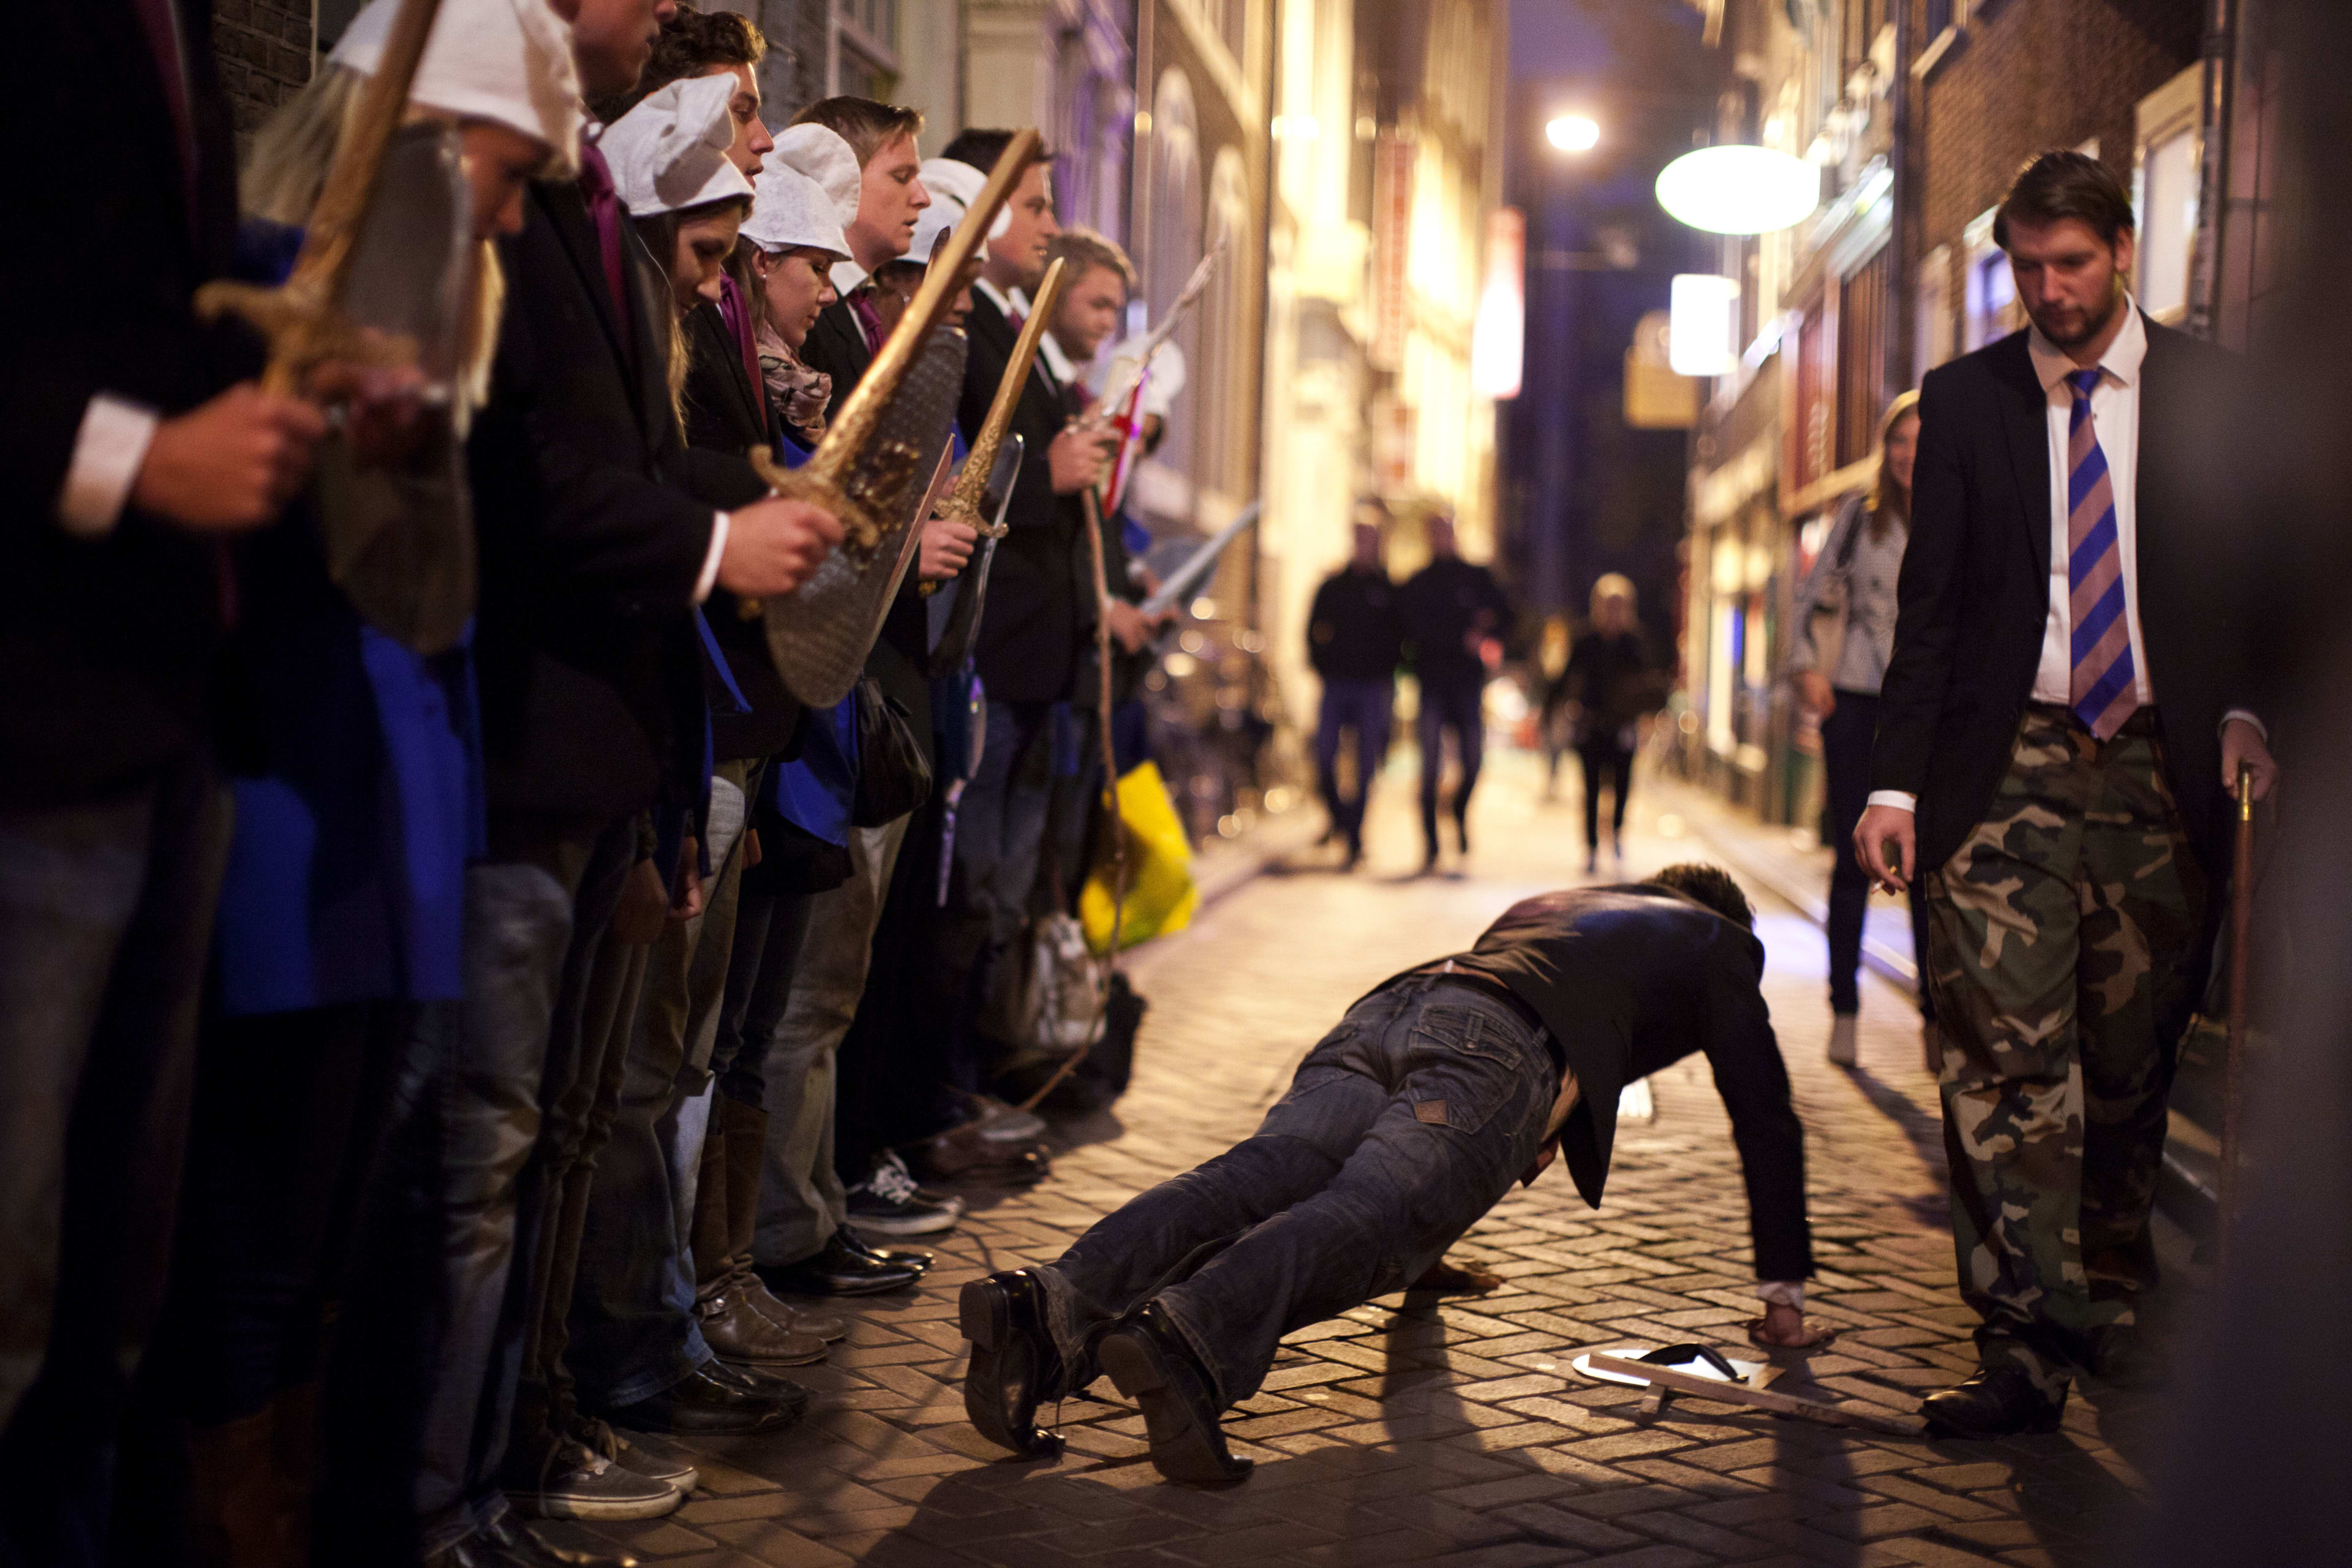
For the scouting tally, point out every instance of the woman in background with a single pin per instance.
(1608, 687)
(1844, 622)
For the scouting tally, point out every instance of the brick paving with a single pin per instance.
(1453, 1433)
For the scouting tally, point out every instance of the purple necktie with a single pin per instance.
(2103, 691)
(605, 212)
(869, 320)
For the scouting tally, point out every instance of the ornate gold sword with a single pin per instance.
(302, 317)
(967, 502)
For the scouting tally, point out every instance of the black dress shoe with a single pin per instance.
(764, 1383)
(2121, 1357)
(713, 1399)
(517, 1544)
(840, 1271)
(1999, 1402)
(1148, 1358)
(1014, 1364)
(904, 1256)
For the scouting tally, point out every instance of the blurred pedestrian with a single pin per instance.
(1844, 621)
(2066, 828)
(1609, 686)
(1354, 641)
(1455, 617)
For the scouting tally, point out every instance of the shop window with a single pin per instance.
(2168, 149)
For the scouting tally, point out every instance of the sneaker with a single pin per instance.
(888, 1203)
(580, 1484)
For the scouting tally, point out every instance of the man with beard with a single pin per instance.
(2069, 698)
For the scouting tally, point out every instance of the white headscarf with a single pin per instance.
(669, 152)
(954, 185)
(509, 61)
(806, 192)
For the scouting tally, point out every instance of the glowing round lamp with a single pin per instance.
(1740, 190)
(1573, 133)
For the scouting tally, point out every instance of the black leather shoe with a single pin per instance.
(709, 1400)
(839, 1271)
(1015, 1366)
(517, 1544)
(763, 1384)
(1148, 1358)
(904, 1256)
(2121, 1357)
(1999, 1402)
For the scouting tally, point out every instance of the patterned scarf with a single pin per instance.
(802, 392)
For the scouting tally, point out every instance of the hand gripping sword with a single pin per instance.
(965, 501)
(302, 318)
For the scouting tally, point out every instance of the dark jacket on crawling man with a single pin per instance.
(1435, 1093)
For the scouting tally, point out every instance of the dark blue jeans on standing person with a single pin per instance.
(106, 912)
(1459, 706)
(1408, 1123)
(1000, 836)
(1364, 708)
(1846, 737)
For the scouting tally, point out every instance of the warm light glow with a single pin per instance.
(1740, 190)
(1498, 331)
(1702, 328)
(1295, 128)
(1573, 133)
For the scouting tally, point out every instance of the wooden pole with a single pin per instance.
(2233, 1071)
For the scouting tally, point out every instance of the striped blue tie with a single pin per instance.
(2103, 691)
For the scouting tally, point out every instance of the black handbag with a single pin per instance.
(894, 776)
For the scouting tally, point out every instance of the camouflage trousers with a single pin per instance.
(2059, 937)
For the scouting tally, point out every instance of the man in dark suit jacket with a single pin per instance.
(1410, 1120)
(133, 450)
(2067, 693)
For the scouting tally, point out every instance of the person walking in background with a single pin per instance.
(2068, 692)
(1607, 689)
(1844, 621)
(1354, 641)
(1454, 619)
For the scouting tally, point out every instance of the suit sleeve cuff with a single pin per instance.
(1782, 1293)
(108, 451)
(1901, 800)
(710, 577)
(2247, 714)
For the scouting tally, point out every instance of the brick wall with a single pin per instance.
(2036, 74)
(263, 49)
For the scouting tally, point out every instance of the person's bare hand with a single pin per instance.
(1881, 830)
(946, 549)
(686, 894)
(383, 407)
(775, 545)
(1813, 691)
(1075, 459)
(1784, 1328)
(2242, 742)
(1130, 627)
(231, 464)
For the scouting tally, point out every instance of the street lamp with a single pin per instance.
(1740, 190)
(1573, 133)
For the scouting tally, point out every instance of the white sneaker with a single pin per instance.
(1842, 1040)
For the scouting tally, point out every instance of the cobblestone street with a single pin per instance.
(1453, 1433)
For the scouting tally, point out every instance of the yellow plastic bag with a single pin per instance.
(1160, 896)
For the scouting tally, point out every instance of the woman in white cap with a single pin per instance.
(672, 173)
(794, 238)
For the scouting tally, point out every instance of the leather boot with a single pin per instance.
(736, 1331)
(736, 1186)
(710, 1238)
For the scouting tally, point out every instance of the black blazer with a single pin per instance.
(1974, 592)
(724, 411)
(594, 520)
(1439, 606)
(108, 646)
(1630, 979)
(1040, 589)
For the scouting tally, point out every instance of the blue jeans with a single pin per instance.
(1458, 706)
(1365, 707)
(105, 914)
(1409, 1121)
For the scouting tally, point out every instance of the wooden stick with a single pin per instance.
(2233, 1069)
(1699, 1387)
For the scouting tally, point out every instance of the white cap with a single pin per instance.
(954, 185)
(1160, 390)
(806, 192)
(669, 152)
(504, 61)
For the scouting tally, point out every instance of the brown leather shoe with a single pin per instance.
(829, 1326)
(967, 1155)
(737, 1332)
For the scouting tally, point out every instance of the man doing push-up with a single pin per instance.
(1401, 1128)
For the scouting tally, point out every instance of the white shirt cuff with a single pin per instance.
(1782, 1293)
(108, 451)
(2259, 728)
(1900, 800)
(710, 578)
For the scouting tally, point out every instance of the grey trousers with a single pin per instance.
(105, 918)
(803, 1020)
